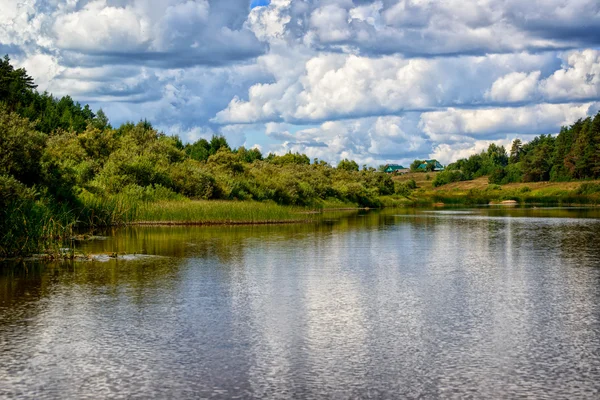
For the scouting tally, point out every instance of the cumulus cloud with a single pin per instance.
(374, 140)
(378, 81)
(453, 124)
(334, 85)
(514, 87)
(578, 79)
(99, 27)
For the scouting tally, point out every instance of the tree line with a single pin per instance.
(573, 154)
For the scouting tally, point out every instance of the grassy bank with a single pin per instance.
(31, 227)
(479, 191)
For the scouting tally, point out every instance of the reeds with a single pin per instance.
(29, 227)
(216, 212)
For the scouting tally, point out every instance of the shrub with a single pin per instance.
(497, 176)
(403, 189)
(188, 179)
(448, 176)
(588, 188)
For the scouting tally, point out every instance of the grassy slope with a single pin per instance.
(479, 191)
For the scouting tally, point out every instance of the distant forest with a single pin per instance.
(573, 154)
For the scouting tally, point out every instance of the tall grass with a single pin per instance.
(29, 227)
(214, 211)
(124, 209)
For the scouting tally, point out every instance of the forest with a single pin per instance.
(573, 154)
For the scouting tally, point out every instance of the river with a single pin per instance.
(481, 303)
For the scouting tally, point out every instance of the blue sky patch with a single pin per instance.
(259, 3)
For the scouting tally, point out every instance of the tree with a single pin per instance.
(216, 143)
(199, 150)
(100, 120)
(497, 155)
(15, 85)
(515, 151)
(21, 148)
(348, 165)
(414, 167)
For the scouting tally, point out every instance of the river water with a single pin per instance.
(481, 303)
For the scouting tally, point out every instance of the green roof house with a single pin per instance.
(437, 165)
(391, 168)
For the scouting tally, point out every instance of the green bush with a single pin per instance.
(588, 188)
(402, 189)
(497, 176)
(448, 176)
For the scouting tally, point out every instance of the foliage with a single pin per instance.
(289, 158)
(414, 167)
(348, 165)
(21, 148)
(588, 188)
(448, 176)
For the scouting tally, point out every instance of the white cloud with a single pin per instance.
(378, 81)
(514, 87)
(453, 124)
(332, 85)
(330, 23)
(367, 140)
(269, 23)
(579, 77)
(100, 27)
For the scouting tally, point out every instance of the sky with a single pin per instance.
(379, 82)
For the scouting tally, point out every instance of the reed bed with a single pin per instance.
(216, 212)
(29, 227)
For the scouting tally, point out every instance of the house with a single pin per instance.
(437, 165)
(391, 168)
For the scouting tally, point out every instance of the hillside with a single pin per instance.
(480, 191)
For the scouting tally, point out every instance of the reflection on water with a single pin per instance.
(485, 303)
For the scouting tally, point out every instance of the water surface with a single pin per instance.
(482, 303)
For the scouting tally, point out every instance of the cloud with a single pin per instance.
(367, 140)
(378, 81)
(453, 125)
(578, 79)
(332, 86)
(514, 87)
(99, 27)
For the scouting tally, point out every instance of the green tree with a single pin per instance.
(414, 167)
(21, 148)
(515, 151)
(16, 86)
(348, 165)
(218, 142)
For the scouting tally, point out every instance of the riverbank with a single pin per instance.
(479, 192)
(49, 231)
